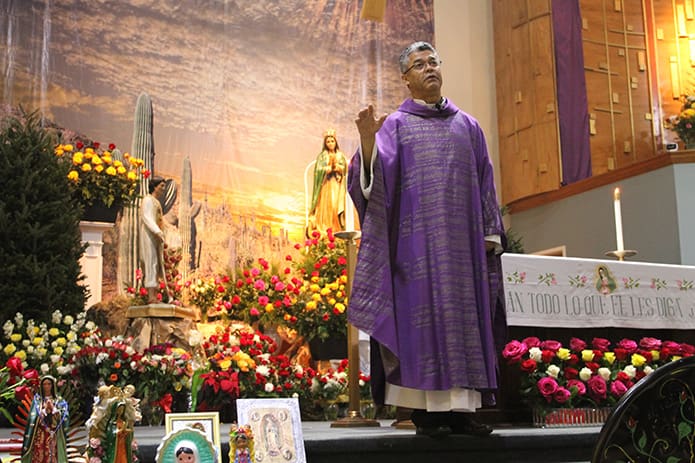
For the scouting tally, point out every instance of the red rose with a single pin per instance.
(650, 343)
(529, 366)
(547, 387)
(571, 373)
(547, 356)
(629, 345)
(578, 385)
(593, 366)
(687, 349)
(562, 395)
(532, 341)
(573, 360)
(620, 354)
(551, 345)
(112, 146)
(14, 364)
(618, 388)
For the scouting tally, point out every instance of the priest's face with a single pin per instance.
(424, 76)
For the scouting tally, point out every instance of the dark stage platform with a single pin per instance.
(324, 444)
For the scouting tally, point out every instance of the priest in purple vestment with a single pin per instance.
(427, 285)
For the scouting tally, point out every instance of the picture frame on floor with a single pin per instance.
(206, 422)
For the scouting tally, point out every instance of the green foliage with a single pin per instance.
(514, 242)
(40, 244)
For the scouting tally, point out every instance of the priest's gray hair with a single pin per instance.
(412, 48)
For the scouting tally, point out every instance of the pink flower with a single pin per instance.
(579, 385)
(577, 345)
(259, 285)
(532, 342)
(514, 350)
(562, 395)
(597, 387)
(618, 388)
(547, 387)
(254, 312)
(551, 345)
(601, 344)
(650, 343)
(629, 345)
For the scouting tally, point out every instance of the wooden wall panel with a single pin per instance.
(523, 77)
(543, 68)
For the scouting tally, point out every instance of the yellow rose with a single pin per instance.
(21, 354)
(99, 168)
(655, 355)
(117, 163)
(332, 301)
(106, 157)
(9, 349)
(587, 355)
(86, 167)
(638, 360)
(59, 151)
(68, 147)
(286, 317)
(58, 350)
(77, 158)
(609, 357)
(71, 336)
(130, 175)
(325, 291)
(225, 364)
(315, 288)
(343, 279)
(339, 294)
(269, 307)
(96, 160)
(62, 342)
(334, 286)
(311, 305)
(110, 171)
(314, 279)
(53, 332)
(563, 353)
(73, 176)
(340, 307)
(15, 337)
(316, 297)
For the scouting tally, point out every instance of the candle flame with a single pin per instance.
(616, 194)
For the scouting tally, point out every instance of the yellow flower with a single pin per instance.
(15, 337)
(106, 157)
(62, 342)
(37, 340)
(86, 167)
(132, 176)
(53, 332)
(9, 349)
(71, 335)
(311, 305)
(21, 354)
(638, 360)
(59, 151)
(587, 355)
(339, 294)
(332, 301)
(269, 307)
(77, 158)
(325, 291)
(563, 353)
(73, 176)
(99, 168)
(58, 350)
(609, 357)
(110, 170)
(316, 297)
(315, 288)
(340, 307)
(96, 160)
(225, 363)
(314, 279)
(117, 163)
(655, 355)
(68, 147)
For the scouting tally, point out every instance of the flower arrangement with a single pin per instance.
(257, 295)
(204, 293)
(583, 375)
(170, 291)
(163, 369)
(16, 384)
(97, 175)
(320, 310)
(684, 122)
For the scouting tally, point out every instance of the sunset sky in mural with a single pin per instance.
(243, 88)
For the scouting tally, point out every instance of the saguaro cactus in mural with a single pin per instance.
(187, 214)
(143, 148)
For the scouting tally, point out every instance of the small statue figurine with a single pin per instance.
(241, 444)
(110, 427)
(47, 423)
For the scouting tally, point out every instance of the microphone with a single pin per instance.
(439, 104)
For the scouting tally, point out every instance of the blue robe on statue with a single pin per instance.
(424, 287)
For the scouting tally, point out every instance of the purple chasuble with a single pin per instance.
(424, 287)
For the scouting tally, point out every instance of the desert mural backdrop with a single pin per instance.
(243, 89)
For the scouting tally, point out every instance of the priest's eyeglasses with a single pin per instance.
(421, 65)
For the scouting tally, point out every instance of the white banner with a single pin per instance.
(569, 292)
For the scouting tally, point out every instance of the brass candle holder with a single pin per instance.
(621, 255)
(354, 417)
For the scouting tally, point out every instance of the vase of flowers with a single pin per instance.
(591, 376)
(683, 123)
(101, 178)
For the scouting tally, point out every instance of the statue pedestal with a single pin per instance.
(92, 261)
(158, 323)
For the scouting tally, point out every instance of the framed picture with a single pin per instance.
(276, 426)
(206, 422)
(187, 444)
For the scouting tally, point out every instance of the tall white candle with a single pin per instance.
(349, 214)
(618, 220)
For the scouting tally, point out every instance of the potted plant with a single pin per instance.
(101, 178)
(684, 122)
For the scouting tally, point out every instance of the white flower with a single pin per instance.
(264, 357)
(299, 369)
(553, 370)
(648, 370)
(295, 395)
(68, 320)
(269, 387)
(263, 370)
(630, 370)
(64, 370)
(605, 373)
(108, 343)
(19, 319)
(585, 373)
(101, 356)
(8, 328)
(535, 354)
(56, 317)
(90, 325)
(55, 358)
(26, 343)
(195, 337)
(44, 368)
